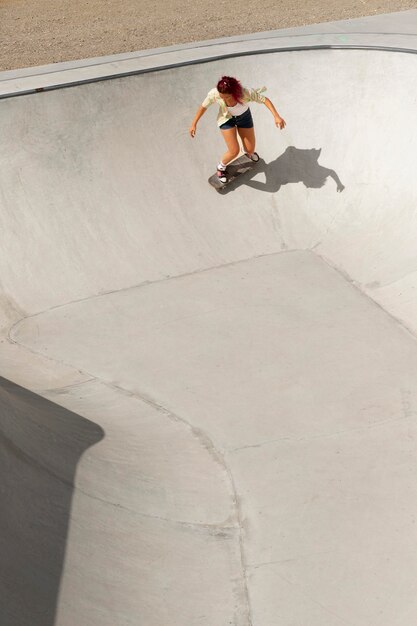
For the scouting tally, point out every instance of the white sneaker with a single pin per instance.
(221, 174)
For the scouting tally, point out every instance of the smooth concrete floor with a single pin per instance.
(303, 389)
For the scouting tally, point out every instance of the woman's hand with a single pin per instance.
(280, 122)
(193, 130)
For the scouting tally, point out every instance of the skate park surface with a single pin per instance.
(208, 405)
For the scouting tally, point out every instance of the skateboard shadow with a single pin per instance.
(41, 444)
(293, 166)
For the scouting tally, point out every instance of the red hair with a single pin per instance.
(228, 84)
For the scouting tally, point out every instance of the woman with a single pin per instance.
(235, 117)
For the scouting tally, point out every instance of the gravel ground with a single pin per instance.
(49, 31)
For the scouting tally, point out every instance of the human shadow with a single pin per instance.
(40, 446)
(293, 166)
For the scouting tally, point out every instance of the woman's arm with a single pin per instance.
(198, 115)
(279, 121)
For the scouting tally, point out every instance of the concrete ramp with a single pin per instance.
(221, 422)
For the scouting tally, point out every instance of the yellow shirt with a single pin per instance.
(249, 95)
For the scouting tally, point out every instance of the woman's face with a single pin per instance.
(228, 99)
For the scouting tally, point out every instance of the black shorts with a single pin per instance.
(241, 121)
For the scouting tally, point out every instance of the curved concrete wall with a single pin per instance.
(103, 189)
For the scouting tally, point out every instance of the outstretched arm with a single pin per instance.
(279, 121)
(198, 115)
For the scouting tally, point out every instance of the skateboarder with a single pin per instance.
(235, 117)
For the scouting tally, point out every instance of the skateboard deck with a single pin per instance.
(236, 168)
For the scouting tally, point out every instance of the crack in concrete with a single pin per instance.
(358, 287)
(406, 416)
(65, 388)
(222, 530)
(308, 597)
(243, 556)
(292, 560)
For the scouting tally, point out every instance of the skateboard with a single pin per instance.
(236, 168)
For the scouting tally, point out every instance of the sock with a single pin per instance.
(221, 166)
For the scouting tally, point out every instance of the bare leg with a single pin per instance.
(247, 136)
(233, 148)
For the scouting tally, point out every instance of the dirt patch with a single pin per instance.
(49, 31)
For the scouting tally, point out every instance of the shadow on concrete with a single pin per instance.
(40, 446)
(293, 166)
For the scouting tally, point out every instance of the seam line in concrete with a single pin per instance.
(147, 283)
(358, 287)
